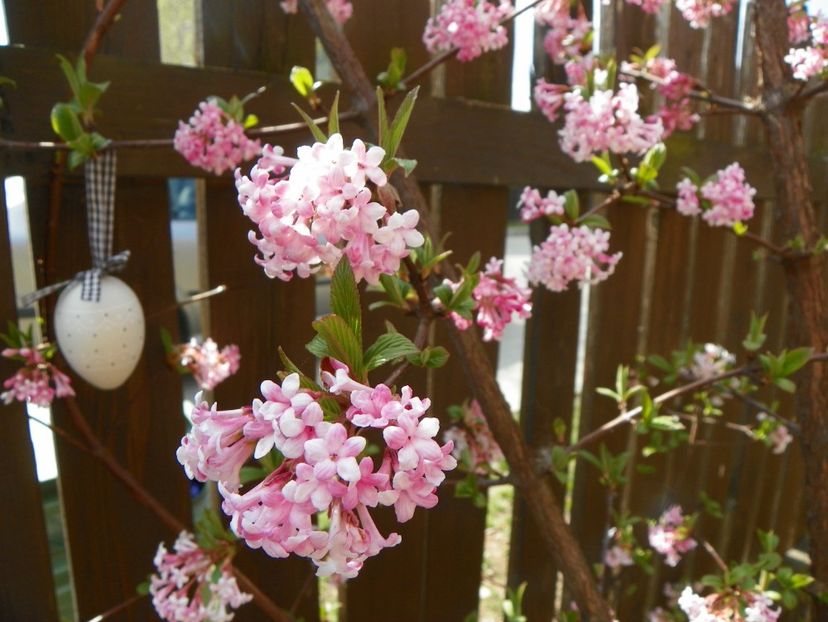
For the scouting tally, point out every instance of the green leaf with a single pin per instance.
(345, 297)
(292, 368)
(76, 158)
(142, 589)
(739, 228)
(302, 80)
(317, 132)
(572, 204)
(596, 221)
(389, 347)
(667, 422)
(166, 340)
(795, 360)
(785, 384)
(400, 122)
(756, 335)
(249, 474)
(69, 71)
(406, 164)
(250, 120)
(318, 347)
(333, 117)
(432, 357)
(603, 164)
(382, 123)
(342, 343)
(65, 122)
(391, 78)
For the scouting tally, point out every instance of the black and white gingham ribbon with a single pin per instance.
(100, 217)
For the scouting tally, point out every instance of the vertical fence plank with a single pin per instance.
(26, 585)
(112, 540)
(259, 315)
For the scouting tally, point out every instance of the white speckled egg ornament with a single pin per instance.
(102, 341)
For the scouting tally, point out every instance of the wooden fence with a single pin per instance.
(677, 281)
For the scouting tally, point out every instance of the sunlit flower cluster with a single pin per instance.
(325, 467)
(474, 446)
(471, 26)
(723, 200)
(38, 381)
(700, 12)
(549, 98)
(194, 585)
(810, 33)
(213, 141)
(572, 254)
(671, 535)
(607, 121)
(676, 111)
(648, 6)
(341, 10)
(322, 209)
(619, 552)
(534, 205)
(711, 361)
(208, 365)
(758, 607)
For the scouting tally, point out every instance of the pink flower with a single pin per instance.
(194, 584)
(213, 141)
(670, 536)
(728, 199)
(322, 210)
(807, 62)
(472, 26)
(473, 444)
(38, 381)
(688, 198)
(675, 87)
(567, 37)
(549, 98)
(607, 122)
(648, 6)
(341, 10)
(711, 361)
(571, 254)
(700, 12)
(216, 447)
(208, 365)
(799, 24)
(760, 609)
(498, 299)
(533, 206)
(413, 440)
(780, 438)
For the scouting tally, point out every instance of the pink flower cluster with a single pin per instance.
(325, 469)
(208, 365)
(474, 446)
(324, 209)
(619, 553)
(711, 361)
(727, 198)
(471, 26)
(568, 38)
(670, 536)
(758, 607)
(38, 381)
(675, 87)
(648, 6)
(497, 300)
(607, 122)
(811, 33)
(700, 12)
(572, 254)
(549, 98)
(341, 10)
(213, 141)
(533, 205)
(193, 584)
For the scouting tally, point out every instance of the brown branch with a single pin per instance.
(116, 609)
(58, 431)
(817, 89)
(715, 555)
(540, 500)
(145, 498)
(164, 143)
(704, 95)
(102, 25)
(628, 416)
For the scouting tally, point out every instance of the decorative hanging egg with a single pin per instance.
(102, 341)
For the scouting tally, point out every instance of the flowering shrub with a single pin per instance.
(810, 34)
(323, 209)
(214, 139)
(195, 583)
(723, 200)
(38, 381)
(208, 365)
(472, 26)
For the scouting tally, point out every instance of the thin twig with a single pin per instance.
(57, 430)
(102, 25)
(117, 609)
(716, 557)
(671, 395)
(813, 91)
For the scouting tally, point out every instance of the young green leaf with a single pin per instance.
(317, 132)
(342, 343)
(302, 80)
(345, 297)
(333, 117)
(399, 124)
(387, 348)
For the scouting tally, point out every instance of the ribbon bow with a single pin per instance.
(100, 218)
